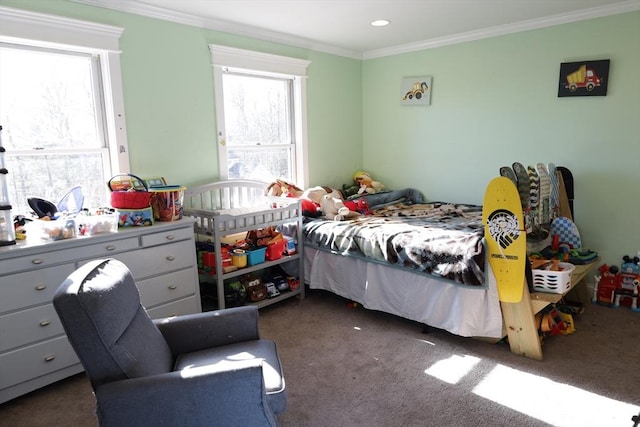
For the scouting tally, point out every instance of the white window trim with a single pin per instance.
(19, 26)
(240, 59)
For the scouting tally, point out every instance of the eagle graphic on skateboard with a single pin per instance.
(505, 236)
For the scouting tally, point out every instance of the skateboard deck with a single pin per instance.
(554, 200)
(524, 190)
(567, 179)
(509, 173)
(505, 237)
(544, 213)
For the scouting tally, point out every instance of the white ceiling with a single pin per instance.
(343, 26)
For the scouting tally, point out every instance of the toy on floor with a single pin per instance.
(614, 286)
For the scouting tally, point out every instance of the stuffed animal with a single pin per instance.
(282, 188)
(334, 208)
(315, 194)
(366, 183)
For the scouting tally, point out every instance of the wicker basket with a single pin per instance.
(554, 282)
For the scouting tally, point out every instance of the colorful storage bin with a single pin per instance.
(166, 202)
(256, 256)
(135, 217)
(275, 250)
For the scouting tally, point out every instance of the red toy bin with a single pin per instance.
(275, 250)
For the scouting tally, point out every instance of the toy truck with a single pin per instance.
(582, 78)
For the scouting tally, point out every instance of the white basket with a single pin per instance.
(554, 282)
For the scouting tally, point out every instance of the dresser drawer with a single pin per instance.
(35, 324)
(167, 236)
(106, 249)
(178, 308)
(36, 360)
(168, 287)
(32, 287)
(159, 260)
(57, 256)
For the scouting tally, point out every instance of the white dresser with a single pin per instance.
(34, 350)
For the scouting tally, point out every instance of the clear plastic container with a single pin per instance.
(7, 231)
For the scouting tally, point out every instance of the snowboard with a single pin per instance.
(505, 237)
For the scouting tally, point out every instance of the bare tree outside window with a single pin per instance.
(52, 118)
(258, 126)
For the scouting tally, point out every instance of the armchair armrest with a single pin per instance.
(192, 397)
(194, 332)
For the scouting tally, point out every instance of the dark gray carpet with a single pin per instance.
(354, 367)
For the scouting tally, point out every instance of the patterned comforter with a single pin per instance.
(439, 239)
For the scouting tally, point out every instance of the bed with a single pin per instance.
(423, 262)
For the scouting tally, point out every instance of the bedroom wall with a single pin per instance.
(169, 104)
(495, 101)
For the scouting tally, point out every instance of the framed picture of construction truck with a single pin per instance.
(416, 90)
(585, 78)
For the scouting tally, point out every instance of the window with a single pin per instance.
(260, 115)
(60, 109)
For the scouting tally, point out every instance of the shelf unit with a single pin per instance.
(238, 206)
(519, 318)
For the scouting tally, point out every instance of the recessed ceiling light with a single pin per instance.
(380, 22)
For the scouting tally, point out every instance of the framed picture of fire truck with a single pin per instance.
(585, 78)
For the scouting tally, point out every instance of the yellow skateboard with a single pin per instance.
(506, 238)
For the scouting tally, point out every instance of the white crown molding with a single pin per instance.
(134, 7)
(156, 12)
(533, 24)
(17, 24)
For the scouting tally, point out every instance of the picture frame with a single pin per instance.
(584, 78)
(416, 90)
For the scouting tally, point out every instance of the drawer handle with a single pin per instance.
(111, 248)
(45, 323)
(170, 258)
(41, 287)
(49, 358)
(170, 237)
(173, 287)
(37, 261)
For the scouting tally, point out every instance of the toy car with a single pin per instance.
(272, 292)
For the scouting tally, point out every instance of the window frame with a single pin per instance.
(32, 29)
(260, 64)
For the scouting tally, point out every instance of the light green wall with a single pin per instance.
(495, 101)
(168, 94)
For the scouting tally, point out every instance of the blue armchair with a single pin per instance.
(201, 369)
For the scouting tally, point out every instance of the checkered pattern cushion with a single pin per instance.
(567, 231)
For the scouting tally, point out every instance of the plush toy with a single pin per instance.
(310, 209)
(366, 183)
(315, 194)
(334, 208)
(282, 188)
(358, 205)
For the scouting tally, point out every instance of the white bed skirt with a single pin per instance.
(463, 311)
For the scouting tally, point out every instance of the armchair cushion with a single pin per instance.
(99, 306)
(234, 356)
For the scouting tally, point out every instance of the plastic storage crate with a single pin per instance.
(554, 282)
